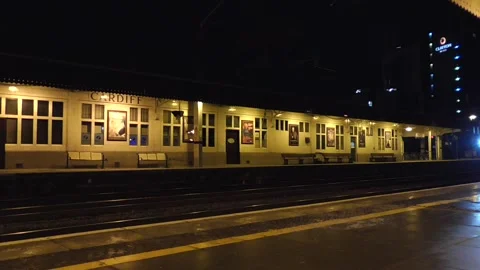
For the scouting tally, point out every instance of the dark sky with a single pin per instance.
(279, 45)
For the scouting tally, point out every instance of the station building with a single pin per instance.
(44, 124)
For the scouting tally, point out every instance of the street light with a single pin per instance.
(472, 117)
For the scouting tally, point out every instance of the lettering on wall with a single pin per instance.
(115, 98)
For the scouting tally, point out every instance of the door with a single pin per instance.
(233, 146)
(353, 149)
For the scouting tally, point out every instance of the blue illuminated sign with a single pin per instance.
(444, 46)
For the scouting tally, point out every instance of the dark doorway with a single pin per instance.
(3, 141)
(353, 149)
(233, 146)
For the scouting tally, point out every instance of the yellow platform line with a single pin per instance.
(63, 236)
(250, 237)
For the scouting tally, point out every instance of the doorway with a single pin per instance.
(232, 146)
(353, 149)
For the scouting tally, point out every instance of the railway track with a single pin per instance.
(40, 217)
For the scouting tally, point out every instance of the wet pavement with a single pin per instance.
(434, 229)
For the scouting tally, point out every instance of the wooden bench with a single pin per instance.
(152, 159)
(336, 157)
(85, 159)
(300, 157)
(382, 157)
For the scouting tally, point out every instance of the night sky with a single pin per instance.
(316, 48)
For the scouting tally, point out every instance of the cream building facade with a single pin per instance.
(43, 124)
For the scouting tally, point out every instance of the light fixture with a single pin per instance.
(395, 125)
(457, 57)
(347, 120)
(232, 109)
(472, 117)
(372, 123)
(457, 68)
(12, 89)
(278, 115)
(458, 89)
(174, 103)
(408, 129)
(458, 100)
(457, 46)
(370, 103)
(315, 117)
(457, 79)
(358, 91)
(459, 111)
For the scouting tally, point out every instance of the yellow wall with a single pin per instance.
(277, 140)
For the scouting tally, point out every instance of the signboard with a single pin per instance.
(444, 46)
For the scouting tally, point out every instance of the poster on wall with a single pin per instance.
(247, 132)
(330, 137)
(388, 139)
(117, 126)
(293, 139)
(361, 139)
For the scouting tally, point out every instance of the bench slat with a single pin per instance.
(85, 156)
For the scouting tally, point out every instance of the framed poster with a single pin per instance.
(361, 139)
(117, 126)
(388, 139)
(247, 132)
(330, 137)
(293, 139)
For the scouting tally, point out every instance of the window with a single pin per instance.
(139, 131)
(320, 136)
(381, 139)
(281, 125)
(11, 106)
(57, 109)
(12, 129)
(260, 132)
(42, 131)
(97, 126)
(339, 137)
(42, 108)
(99, 112)
(27, 131)
(369, 131)
(304, 127)
(394, 139)
(208, 129)
(32, 122)
(353, 131)
(27, 107)
(232, 121)
(171, 129)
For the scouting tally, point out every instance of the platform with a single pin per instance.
(431, 229)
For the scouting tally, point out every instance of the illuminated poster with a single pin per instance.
(388, 139)
(361, 139)
(247, 132)
(293, 139)
(330, 137)
(117, 126)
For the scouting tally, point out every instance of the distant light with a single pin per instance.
(457, 68)
(458, 89)
(457, 79)
(232, 109)
(472, 117)
(391, 90)
(458, 100)
(478, 142)
(399, 47)
(12, 89)
(370, 103)
(408, 129)
(457, 57)
(432, 95)
(430, 34)
(431, 75)
(457, 46)
(431, 65)
(358, 91)
(430, 44)
(459, 111)
(431, 86)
